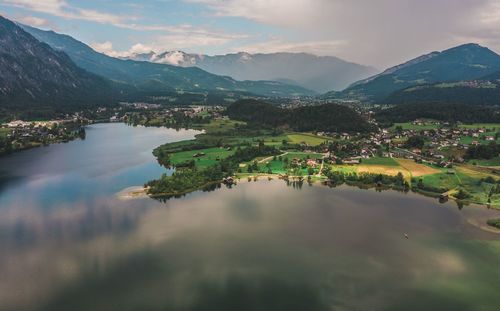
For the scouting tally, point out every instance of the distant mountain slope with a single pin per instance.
(464, 62)
(477, 92)
(439, 111)
(318, 73)
(157, 77)
(34, 76)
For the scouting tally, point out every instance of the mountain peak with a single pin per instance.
(470, 48)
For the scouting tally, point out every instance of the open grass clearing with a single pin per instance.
(491, 162)
(481, 125)
(309, 139)
(410, 126)
(210, 157)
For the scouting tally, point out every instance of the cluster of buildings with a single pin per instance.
(439, 140)
(23, 134)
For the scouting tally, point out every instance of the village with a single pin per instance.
(20, 135)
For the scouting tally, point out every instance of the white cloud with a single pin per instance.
(104, 47)
(188, 38)
(62, 9)
(275, 12)
(34, 21)
(382, 32)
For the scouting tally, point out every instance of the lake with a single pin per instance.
(68, 242)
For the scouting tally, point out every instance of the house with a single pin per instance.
(311, 163)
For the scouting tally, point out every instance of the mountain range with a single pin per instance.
(43, 71)
(318, 73)
(466, 62)
(153, 77)
(34, 75)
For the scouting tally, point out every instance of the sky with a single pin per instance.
(380, 33)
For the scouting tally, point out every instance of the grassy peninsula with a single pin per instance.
(267, 142)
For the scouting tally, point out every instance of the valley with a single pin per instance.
(221, 155)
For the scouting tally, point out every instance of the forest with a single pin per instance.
(326, 117)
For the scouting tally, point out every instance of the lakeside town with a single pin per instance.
(434, 142)
(430, 156)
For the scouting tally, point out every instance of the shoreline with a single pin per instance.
(134, 190)
(140, 192)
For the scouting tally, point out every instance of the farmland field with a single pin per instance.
(381, 161)
(210, 157)
(417, 169)
(491, 162)
(310, 139)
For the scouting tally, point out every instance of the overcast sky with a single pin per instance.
(380, 33)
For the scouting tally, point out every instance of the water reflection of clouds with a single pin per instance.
(334, 243)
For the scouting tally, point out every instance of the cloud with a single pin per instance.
(177, 41)
(61, 8)
(104, 47)
(382, 32)
(34, 21)
(107, 48)
(275, 12)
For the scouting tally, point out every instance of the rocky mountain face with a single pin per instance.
(32, 74)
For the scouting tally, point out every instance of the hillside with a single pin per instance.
(464, 62)
(154, 77)
(33, 76)
(328, 117)
(318, 73)
(476, 92)
(442, 111)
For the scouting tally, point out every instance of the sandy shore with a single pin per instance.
(130, 193)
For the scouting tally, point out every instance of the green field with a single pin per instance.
(490, 162)
(218, 126)
(210, 157)
(4, 132)
(278, 167)
(410, 126)
(380, 161)
(481, 125)
(303, 155)
(309, 139)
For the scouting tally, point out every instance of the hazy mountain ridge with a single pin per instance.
(149, 76)
(319, 73)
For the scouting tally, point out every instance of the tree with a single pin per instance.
(462, 194)
(310, 171)
(415, 142)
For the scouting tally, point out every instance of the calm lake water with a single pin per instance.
(67, 242)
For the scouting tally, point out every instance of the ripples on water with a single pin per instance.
(67, 243)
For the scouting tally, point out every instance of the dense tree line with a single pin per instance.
(484, 151)
(327, 117)
(339, 177)
(443, 112)
(481, 96)
(415, 142)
